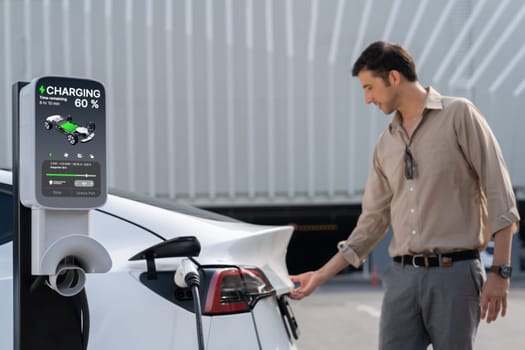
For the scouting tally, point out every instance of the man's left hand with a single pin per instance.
(494, 297)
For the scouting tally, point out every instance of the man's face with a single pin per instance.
(378, 92)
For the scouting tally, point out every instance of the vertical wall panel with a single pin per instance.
(237, 102)
(5, 75)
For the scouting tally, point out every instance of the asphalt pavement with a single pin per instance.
(344, 314)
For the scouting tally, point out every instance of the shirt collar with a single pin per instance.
(432, 101)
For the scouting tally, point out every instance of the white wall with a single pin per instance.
(236, 102)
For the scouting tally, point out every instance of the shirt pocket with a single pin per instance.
(436, 159)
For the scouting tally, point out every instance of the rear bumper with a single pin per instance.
(273, 331)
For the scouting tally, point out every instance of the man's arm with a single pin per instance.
(484, 155)
(495, 291)
(371, 227)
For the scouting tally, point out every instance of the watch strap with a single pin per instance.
(504, 270)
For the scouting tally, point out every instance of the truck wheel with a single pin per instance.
(48, 125)
(90, 126)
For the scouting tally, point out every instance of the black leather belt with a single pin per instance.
(434, 260)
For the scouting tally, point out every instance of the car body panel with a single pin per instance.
(265, 314)
(225, 334)
(6, 293)
(140, 305)
(5, 177)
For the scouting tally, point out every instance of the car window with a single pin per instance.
(6, 217)
(170, 205)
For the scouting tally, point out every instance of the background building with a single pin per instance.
(248, 106)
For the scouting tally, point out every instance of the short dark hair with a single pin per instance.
(381, 57)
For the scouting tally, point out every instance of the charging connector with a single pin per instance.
(186, 276)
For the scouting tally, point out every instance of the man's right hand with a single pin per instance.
(307, 283)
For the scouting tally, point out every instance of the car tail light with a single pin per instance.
(234, 290)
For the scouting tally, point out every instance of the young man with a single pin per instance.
(438, 177)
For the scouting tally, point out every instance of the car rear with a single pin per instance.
(244, 281)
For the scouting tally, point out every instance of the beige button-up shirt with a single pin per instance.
(460, 195)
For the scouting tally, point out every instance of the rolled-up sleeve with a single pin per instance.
(374, 219)
(484, 155)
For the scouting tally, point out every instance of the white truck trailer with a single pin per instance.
(248, 106)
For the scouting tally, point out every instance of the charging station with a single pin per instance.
(59, 175)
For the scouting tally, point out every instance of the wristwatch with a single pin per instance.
(504, 270)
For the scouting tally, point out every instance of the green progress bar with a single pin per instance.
(70, 175)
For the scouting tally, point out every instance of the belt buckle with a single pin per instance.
(445, 261)
(425, 259)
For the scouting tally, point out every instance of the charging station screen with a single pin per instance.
(70, 139)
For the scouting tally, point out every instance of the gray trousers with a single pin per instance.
(438, 306)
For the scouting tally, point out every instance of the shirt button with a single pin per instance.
(412, 211)
(411, 189)
(413, 232)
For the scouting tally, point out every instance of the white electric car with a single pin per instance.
(244, 280)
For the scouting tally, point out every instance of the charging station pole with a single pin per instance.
(59, 175)
(21, 241)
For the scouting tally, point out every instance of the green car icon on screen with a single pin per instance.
(74, 132)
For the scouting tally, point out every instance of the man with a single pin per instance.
(438, 177)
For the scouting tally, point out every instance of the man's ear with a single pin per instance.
(394, 77)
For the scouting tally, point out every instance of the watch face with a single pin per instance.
(505, 271)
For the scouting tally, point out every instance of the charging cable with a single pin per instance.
(186, 276)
